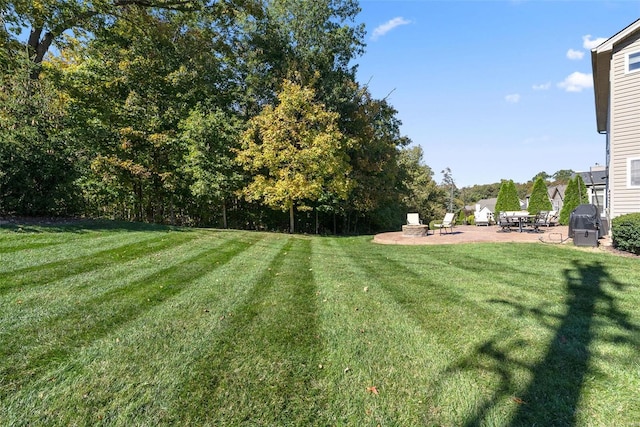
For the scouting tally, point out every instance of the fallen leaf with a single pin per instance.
(518, 400)
(366, 289)
(373, 390)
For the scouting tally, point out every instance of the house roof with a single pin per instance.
(601, 64)
(487, 203)
(556, 189)
(594, 178)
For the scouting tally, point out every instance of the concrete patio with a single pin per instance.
(476, 234)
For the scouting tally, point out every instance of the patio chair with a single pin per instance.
(504, 222)
(447, 222)
(482, 218)
(413, 219)
(541, 219)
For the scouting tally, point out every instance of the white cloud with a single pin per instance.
(575, 54)
(588, 43)
(542, 86)
(576, 82)
(383, 29)
(512, 98)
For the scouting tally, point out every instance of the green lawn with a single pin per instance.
(121, 324)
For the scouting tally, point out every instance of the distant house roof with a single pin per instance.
(556, 191)
(601, 65)
(487, 203)
(594, 178)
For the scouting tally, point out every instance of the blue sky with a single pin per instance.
(492, 89)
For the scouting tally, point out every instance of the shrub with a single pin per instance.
(462, 218)
(625, 233)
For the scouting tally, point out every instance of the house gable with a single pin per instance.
(616, 77)
(601, 65)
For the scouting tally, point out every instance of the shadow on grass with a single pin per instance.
(554, 392)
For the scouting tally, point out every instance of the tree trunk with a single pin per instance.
(291, 220)
(224, 214)
(173, 213)
(317, 225)
(335, 224)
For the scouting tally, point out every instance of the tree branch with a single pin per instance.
(180, 5)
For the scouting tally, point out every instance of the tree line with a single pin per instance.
(226, 113)
(236, 113)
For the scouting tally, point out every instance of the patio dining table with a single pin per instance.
(522, 218)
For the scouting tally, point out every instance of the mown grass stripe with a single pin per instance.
(381, 343)
(131, 375)
(260, 369)
(96, 317)
(27, 246)
(44, 274)
(35, 305)
(143, 370)
(12, 241)
(17, 261)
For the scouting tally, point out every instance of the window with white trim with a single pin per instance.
(633, 62)
(633, 172)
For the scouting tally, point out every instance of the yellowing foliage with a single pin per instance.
(295, 152)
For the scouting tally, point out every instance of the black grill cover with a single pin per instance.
(584, 217)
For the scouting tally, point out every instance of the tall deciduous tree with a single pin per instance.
(422, 194)
(311, 43)
(131, 85)
(545, 176)
(38, 157)
(562, 176)
(210, 139)
(295, 153)
(48, 20)
(450, 185)
(539, 199)
(375, 129)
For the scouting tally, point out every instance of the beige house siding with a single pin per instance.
(624, 129)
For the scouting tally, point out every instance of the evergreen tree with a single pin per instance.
(574, 195)
(583, 195)
(507, 197)
(539, 199)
